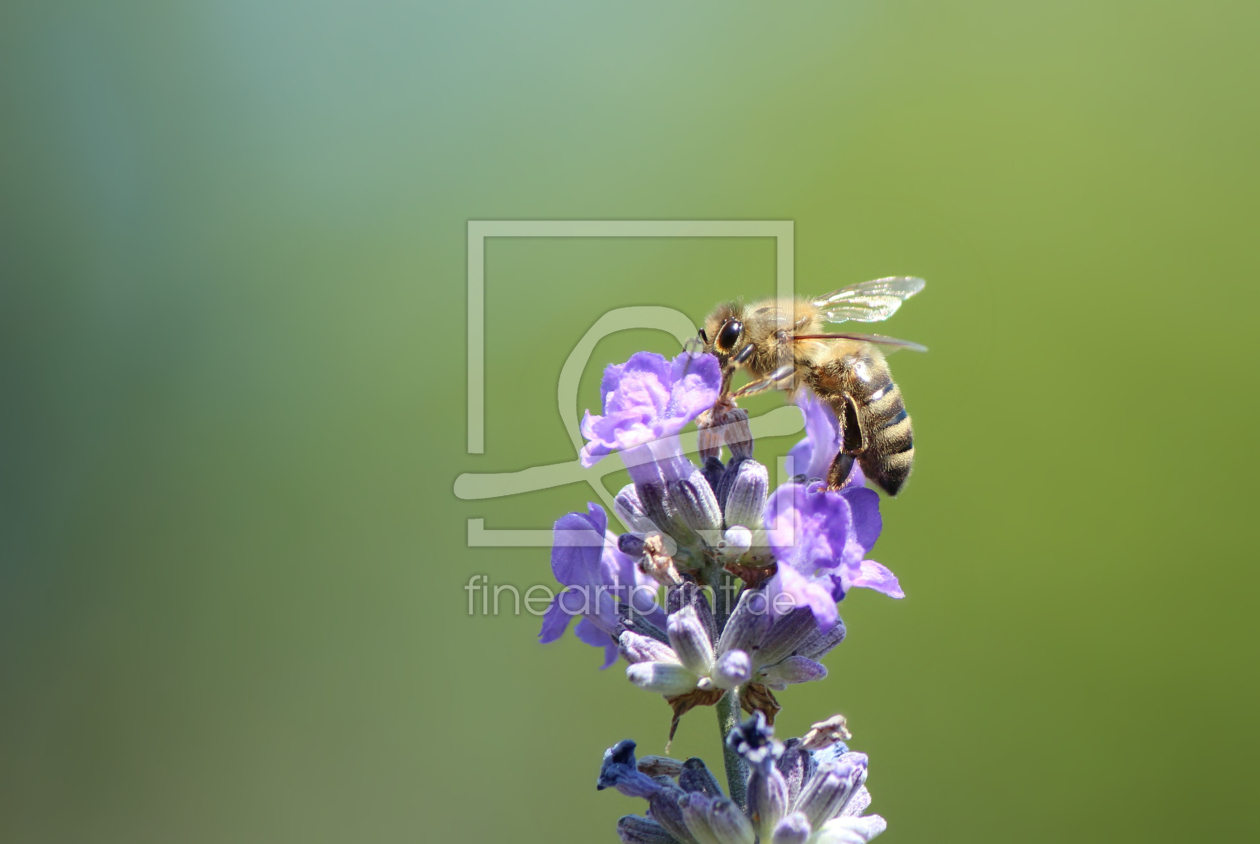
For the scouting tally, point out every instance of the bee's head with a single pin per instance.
(723, 331)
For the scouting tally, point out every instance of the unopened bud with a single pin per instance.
(694, 504)
(742, 492)
(690, 640)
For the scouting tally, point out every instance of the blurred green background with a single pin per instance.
(232, 317)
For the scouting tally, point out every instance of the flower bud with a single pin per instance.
(631, 544)
(830, 788)
(629, 509)
(619, 771)
(653, 499)
(690, 640)
(794, 669)
(789, 632)
(708, 437)
(767, 798)
(730, 824)
(797, 766)
(695, 776)
(794, 829)
(666, 811)
(725, 425)
(693, 503)
(657, 766)
(664, 678)
(742, 492)
(696, 810)
(731, 669)
(858, 803)
(735, 542)
(748, 624)
(823, 644)
(633, 829)
(712, 471)
(636, 648)
(847, 829)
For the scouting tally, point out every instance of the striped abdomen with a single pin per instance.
(873, 417)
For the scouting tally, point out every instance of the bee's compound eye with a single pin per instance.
(704, 337)
(729, 335)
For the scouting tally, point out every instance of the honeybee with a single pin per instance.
(781, 343)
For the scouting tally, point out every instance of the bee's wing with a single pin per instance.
(891, 344)
(870, 301)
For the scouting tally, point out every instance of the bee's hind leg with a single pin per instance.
(852, 443)
(840, 470)
(762, 384)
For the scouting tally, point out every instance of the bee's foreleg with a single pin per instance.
(763, 384)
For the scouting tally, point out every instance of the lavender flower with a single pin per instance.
(820, 539)
(598, 581)
(756, 651)
(688, 524)
(795, 795)
(647, 402)
(797, 550)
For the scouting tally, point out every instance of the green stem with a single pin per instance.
(736, 776)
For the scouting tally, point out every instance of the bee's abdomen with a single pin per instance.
(876, 427)
(889, 453)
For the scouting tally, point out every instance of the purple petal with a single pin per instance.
(578, 540)
(695, 381)
(813, 455)
(643, 601)
(801, 459)
(867, 522)
(814, 593)
(555, 622)
(590, 633)
(617, 569)
(872, 575)
(594, 450)
(648, 364)
(657, 461)
(810, 531)
(648, 398)
(644, 598)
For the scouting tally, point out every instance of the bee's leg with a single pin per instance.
(854, 438)
(852, 443)
(763, 384)
(841, 467)
(744, 353)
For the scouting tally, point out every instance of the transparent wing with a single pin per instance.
(890, 343)
(870, 301)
